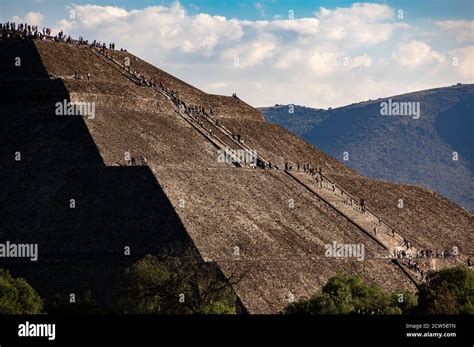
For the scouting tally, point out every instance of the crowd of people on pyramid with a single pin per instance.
(413, 265)
(12, 30)
(134, 161)
(306, 167)
(426, 254)
(200, 115)
(408, 258)
(316, 173)
(143, 81)
(439, 253)
(78, 76)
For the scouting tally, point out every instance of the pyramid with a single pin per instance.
(144, 173)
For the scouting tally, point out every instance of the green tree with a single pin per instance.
(346, 294)
(449, 291)
(17, 296)
(177, 285)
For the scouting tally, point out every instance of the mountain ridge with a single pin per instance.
(424, 146)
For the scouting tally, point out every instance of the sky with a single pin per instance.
(314, 53)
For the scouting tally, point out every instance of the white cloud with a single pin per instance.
(252, 53)
(289, 57)
(465, 62)
(414, 53)
(308, 26)
(364, 12)
(282, 61)
(32, 18)
(360, 61)
(324, 63)
(359, 24)
(463, 30)
(93, 15)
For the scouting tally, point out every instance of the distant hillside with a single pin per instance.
(299, 119)
(397, 148)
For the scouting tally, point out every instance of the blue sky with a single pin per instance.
(332, 53)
